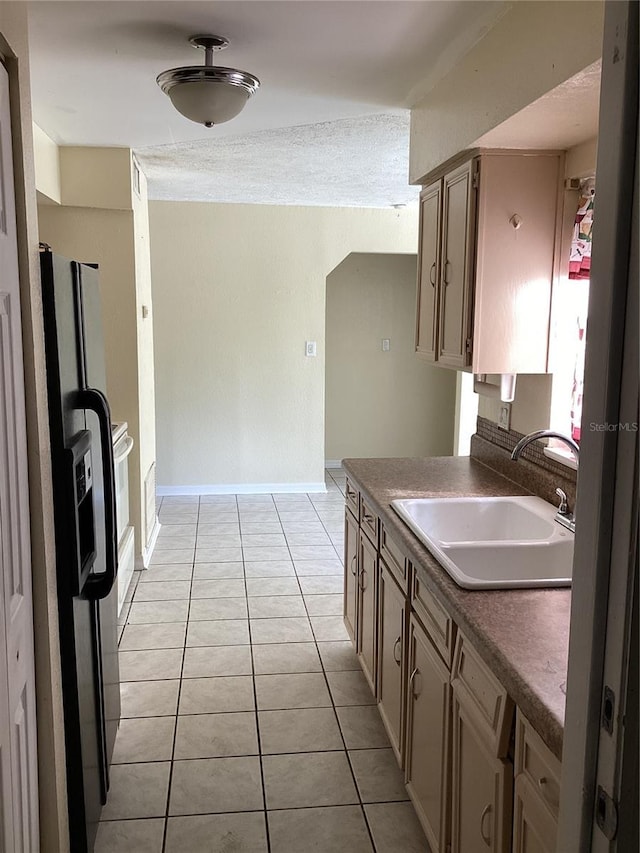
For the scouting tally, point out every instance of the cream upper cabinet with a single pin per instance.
(429, 270)
(493, 263)
(458, 222)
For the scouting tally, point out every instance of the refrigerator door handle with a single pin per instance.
(99, 586)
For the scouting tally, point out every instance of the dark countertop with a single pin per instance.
(523, 635)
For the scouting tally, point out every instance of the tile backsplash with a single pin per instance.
(534, 471)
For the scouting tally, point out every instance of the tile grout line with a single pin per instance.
(255, 700)
(175, 730)
(346, 751)
(331, 698)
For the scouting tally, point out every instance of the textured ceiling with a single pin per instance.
(335, 74)
(358, 162)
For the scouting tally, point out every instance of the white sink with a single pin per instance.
(493, 543)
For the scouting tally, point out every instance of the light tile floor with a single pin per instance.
(247, 724)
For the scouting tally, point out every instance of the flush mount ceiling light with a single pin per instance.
(204, 93)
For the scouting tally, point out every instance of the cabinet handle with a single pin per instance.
(361, 582)
(415, 672)
(395, 646)
(485, 812)
(354, 571)
(432, 274)
(445, 278)
(367, 518)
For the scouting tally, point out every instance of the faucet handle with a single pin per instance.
(564, 506)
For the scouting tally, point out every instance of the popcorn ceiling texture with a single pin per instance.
(360, 162)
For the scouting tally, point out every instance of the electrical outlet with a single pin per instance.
(386, 345)
(310, 348)
(504, 418)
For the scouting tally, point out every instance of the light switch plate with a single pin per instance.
(504, 418)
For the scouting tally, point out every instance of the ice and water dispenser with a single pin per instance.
(82, 521)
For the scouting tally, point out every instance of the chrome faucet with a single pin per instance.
(564, 516)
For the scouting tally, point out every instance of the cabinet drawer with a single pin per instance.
(477, 688)
(394, 558)
(368, 521)
(438, 624)
(537, 764)
(352, 499)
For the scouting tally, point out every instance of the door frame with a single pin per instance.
(52, 788)
(605, 560)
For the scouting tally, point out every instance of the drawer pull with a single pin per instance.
(354, 569)
(395, 646)
(485, 813)
(547, 791)
(412, 677)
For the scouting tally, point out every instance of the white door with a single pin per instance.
(18, 748)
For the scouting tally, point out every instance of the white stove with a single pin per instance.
(122, 447)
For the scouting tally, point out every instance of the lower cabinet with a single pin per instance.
(448, 716)
(367, 609)
(481, 789)
(427, 743)
(534, 829)
(537, 792)
(350, 603)
(392, 620)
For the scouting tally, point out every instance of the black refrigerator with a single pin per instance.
(86, 537)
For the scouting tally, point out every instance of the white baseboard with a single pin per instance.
(242, 489)
(333, 463)
(151, 544)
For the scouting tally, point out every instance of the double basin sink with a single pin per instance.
(493, 542)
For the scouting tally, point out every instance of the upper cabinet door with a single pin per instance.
(458, 244)
(429, 270)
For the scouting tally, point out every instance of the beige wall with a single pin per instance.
(47, 165)
(51, 761)
(533, 48)
(237, 291)
(381, 403)
(96, 177)
(532, 405)
(144, 327)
